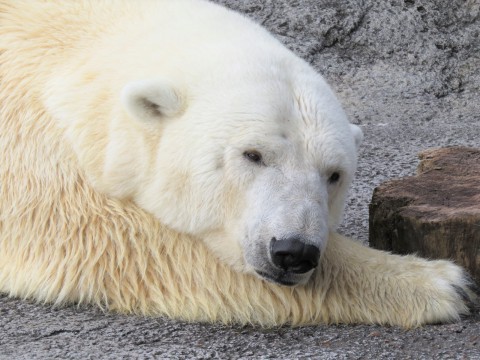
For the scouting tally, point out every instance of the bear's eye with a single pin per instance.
(253, 156)
(334, 178)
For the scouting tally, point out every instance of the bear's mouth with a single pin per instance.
(282, 279)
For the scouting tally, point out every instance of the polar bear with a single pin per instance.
(172, 158)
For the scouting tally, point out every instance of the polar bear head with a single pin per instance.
(244, 147)
(258, 170)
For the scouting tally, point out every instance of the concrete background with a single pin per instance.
(407, 71)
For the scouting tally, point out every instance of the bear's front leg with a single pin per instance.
(367, 285)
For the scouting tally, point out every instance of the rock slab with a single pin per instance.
(436, 213)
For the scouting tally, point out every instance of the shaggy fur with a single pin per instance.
(64, 241)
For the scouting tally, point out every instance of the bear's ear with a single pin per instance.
(151, 100)
(357, 134)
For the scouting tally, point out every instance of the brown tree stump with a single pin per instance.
(436, 213)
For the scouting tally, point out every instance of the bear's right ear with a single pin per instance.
(151, 100)
(357, 135)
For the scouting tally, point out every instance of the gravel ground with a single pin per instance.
(409, 73)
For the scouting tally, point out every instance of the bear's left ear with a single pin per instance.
(151, 100)
(357, 134)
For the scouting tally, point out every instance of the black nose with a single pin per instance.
(294, 255)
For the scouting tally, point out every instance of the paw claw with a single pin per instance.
(470, 292)
(463, 294)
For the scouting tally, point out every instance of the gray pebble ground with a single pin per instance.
(407, 71)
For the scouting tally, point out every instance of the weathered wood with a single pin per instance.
(435, 214)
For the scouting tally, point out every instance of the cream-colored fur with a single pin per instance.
(73, 228)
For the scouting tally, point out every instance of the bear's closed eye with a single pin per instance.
(253, 156)
(334, 178)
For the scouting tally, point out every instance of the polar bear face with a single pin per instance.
(258, 171)
(246, 149)
(220, 132)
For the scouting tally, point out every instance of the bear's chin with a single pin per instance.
(285, 278)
